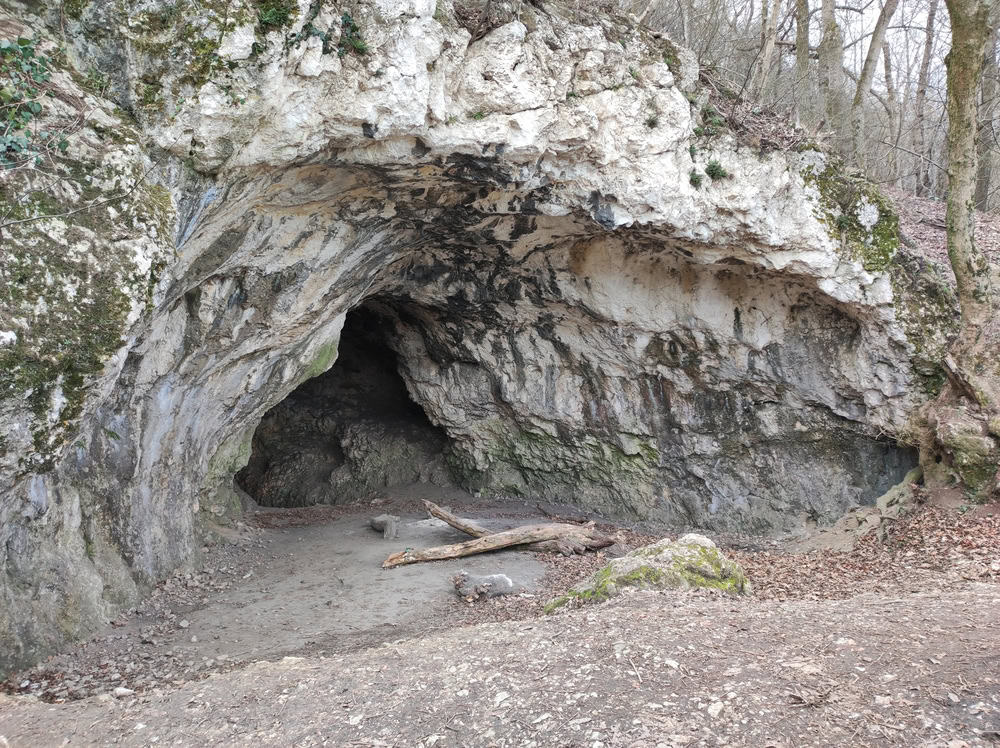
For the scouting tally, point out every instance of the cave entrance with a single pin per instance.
(348, 433)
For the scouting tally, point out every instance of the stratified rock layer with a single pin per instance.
(514, 206)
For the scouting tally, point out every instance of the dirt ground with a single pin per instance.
(291, 634)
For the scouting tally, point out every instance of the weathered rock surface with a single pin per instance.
(512, 205)
(473, 587)
(691, 561)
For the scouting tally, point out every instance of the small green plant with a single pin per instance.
(350, 38)
(23, 75)
(96, 82)
(652, 120)
(695, 179)
(710, 116)
(634, 73)
(715, 170)
(693, 150)
(274, 14)
(572, 95)
(477, 115)
(309, 31)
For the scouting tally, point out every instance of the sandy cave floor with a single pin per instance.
(292, 634)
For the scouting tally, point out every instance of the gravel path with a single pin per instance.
(647, 669)
(894, 643)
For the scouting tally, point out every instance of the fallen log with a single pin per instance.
(576, 538)
(566, 539)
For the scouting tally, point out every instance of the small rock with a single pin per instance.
(184, 623)
(121, 692)
(473, 587)
(714, 709)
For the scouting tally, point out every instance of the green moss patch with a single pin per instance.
(692, 561)
(77, 263)
(856, 214)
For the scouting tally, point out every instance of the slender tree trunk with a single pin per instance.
(768, 37)
(803, 101)
(892, 99)
(831, 74)
(964, 62)
(921, 145)
(865, 80)
(986, 139)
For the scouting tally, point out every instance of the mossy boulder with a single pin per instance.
(692, 561)
(972, 454)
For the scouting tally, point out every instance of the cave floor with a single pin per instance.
(292, 634)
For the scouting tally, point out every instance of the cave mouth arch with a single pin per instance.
(348, 433)
(611, 373)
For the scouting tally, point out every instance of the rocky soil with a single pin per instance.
(894, 642)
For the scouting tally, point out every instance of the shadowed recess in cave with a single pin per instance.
(347, 433)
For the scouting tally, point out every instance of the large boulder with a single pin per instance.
(691, 561)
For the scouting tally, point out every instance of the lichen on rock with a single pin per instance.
(690, 562)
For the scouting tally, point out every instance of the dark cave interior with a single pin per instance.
(347, 433)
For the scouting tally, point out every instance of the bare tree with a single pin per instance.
(867, 76)
(971, 363)
(831, 71)
(987, 137)
(802, 79)
(920, 124)
(892, 111)
(769, 30)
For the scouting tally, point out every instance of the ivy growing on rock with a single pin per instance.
(350, 38)
(23, 75)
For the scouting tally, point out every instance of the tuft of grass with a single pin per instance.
(695, 179)
(350, 38)
(693, 150)
(711, 117)
(652, 121)
(275, 14)
(477, 115)
(715, 170)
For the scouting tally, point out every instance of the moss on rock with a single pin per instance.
(692, 561)
(856, 214)
(81, 243)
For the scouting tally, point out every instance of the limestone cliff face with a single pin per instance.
(517, 205)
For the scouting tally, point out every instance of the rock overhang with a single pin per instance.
(581, 319)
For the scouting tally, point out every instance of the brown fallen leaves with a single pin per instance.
(959, 544)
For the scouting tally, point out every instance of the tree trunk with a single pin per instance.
(831, 75)
(769, 31)
(920, 145)
(964, 62)
(892, 99)
(986, 138)
(561, 538)
(865, 80)
(803, 101)
(965, 419)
